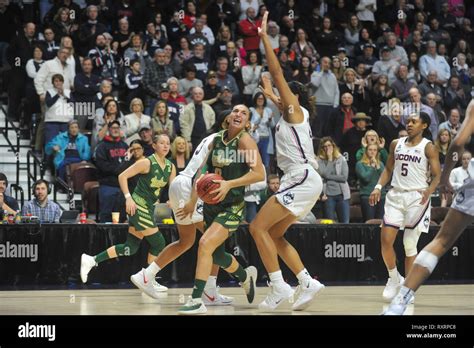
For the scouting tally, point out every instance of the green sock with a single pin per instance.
(198, 288)
(240, 274)
(101, 257)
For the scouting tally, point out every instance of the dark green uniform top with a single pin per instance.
(226, 160)
(149, 185)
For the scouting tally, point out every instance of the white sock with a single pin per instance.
(393, 273)
(152, 270)
(276, 278)
(407, 293)
(211, 283)
(303, 276)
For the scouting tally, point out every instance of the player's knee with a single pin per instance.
(427, 260)
(410, 241)
(254, 229)
(206, 246)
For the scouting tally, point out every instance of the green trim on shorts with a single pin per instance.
(144, 215)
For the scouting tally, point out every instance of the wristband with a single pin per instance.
(128, 195)
(378, 187)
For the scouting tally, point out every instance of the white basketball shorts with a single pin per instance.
(300, 190)
(404, 211)
(179, 194)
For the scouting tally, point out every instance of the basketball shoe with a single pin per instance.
(212, 297)
(148, 285)
(87, 263)
(306, 293)
(392, 286)
(277, 296)
(250, 283)
(192, 307)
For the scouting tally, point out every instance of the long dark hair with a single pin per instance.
(300, 90)
(256, 96)
(425, 118)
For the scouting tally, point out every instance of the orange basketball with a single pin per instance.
(206, 185)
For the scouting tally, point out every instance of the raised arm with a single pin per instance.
(292, 112)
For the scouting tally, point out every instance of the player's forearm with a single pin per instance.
(434, 183)
(272, 61)
(455, 151)
(123, 182)
(384, 178)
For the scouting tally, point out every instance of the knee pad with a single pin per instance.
(130, 247)
(221, 258)
(427, 260)
(157, 243)
(410, 241)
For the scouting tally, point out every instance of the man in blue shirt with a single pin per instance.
(41, 206)
(6, 202)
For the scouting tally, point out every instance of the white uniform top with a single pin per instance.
(199, 156)
(469, 181)
(294, 144)
(411, 169)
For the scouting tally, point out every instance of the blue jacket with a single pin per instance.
(62, 139)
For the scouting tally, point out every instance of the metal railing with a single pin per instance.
(18, 188)
(32, 159)
(61, 184)
(15, 148)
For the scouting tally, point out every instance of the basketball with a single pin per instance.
(206, 185)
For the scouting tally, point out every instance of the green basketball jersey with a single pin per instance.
(227, 161)
(149, 185)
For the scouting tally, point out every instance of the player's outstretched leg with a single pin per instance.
(426, 261)
(395, 280)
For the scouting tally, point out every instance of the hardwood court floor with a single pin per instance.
(334, 300)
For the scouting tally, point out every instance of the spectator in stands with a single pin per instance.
(174, 95)
(455, 95)
(135, 120)
(368, 170)
(356, 87)
(401, 86)
(416, 106)
(367, 57)
(442, 143)
(461, 70)
(334, 172)
(262, 122)
(155, 74)
(134, 154)
(415, 43)
(154, 39)
(338, 69)
(190, 14)
(174, 109)
(351, 34)
(109, 155)
(273, 35)
(433, 103)
(172, 62)
(199, 61)
(161, 122)
(386, 65)
(430, 86)
(352, 139)
(341, 119)
(397, 53)
(453, 124)
(86, 87)
(372, 138)
(197, 119)
(6, 202)
(381, 94)
(432, 61)
(248, 27)
(103, 59)
(390, 123)
(327, 96)
(89, 30)
(9, 21)
(223, 37)
(236, 62)
(224, 78)
(46, 210)
(273, 185)
(198, 37)
(458, 175)
(134, 82)
(49, 44)
(19, 52)
(63, 23)
(180, 154)
(304, 71)
(303, 47)
(123, 35)
(32, 105)
(190, 81)
(326, 40)
(437, 34)
(68, 147)
(285, 64)
(212, 91)
(365, 12)
(184, 53)
(146, 137)
(207, 32)
(220, 14)
(59, 108)
(250, 76)
(224, 101)
(102, 124)
(176, 28)
(413, 67)
(136, 52)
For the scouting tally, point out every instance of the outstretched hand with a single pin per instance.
(262, 31)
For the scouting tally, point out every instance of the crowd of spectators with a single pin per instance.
(97, 78)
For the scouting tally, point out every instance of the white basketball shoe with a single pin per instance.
(87, 263)
(306, 293)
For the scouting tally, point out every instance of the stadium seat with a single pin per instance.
(80, 173)
(90, 197)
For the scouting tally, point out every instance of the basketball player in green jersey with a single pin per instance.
(233, 155)
(155, 173)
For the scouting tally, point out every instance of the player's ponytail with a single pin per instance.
(425, 118)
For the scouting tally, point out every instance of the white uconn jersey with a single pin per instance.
(294, 144)
(199, 156)
(411, 169)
